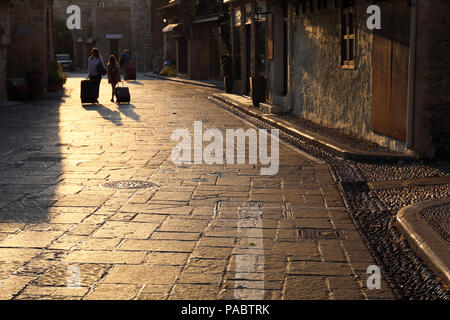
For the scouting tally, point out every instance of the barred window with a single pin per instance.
(348, 39)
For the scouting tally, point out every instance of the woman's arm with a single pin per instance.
(89, 67)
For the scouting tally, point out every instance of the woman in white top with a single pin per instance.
(93, 63)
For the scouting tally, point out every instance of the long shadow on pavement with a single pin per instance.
(30, 161)
(128, 111)
(106, 113)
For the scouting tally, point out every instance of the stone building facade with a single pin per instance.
(195, 36)
(325, 91)
(113, 26)
(396, 90)
(26, 46)
(322, 63)
(104, 24)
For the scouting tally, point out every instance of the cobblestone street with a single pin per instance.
(192, 232)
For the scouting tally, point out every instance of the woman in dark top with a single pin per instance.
(93, 63)
(113, 74)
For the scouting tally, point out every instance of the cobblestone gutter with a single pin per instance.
(374, 216)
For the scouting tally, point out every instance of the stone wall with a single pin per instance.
(4, 41)
(432, 86)
(31, 40)
(157, 36)
(324, 92)
(140, 33)
(112, 20)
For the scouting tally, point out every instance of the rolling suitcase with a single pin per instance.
(88, 92)
(122, 94)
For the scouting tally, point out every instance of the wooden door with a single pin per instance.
(182, 56)
(114, 47)
(390, 58)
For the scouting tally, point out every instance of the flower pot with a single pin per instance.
(228, 82)
(258, 90)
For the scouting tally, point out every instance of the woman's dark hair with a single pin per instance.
(95, 53)
(112, 60)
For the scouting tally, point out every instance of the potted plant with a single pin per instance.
(56, 77)
(227, 71)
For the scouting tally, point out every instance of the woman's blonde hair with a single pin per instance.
(112, 60)
(95, 53)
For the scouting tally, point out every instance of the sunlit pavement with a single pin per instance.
(200, 232)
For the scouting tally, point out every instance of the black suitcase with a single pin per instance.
(122, 94)
(88, 91)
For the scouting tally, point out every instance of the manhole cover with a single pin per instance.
(128, 184)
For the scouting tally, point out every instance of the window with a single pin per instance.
(348, 39)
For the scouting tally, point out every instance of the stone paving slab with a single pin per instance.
(201, 232)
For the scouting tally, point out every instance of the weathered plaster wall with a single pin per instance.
(325, 93)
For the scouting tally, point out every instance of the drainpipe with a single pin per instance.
(412, 73)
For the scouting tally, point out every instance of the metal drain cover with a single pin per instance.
(128, 184)
(320, 233)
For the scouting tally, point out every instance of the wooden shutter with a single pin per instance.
(390, 65)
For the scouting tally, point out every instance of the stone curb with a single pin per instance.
(185, 81)
(329, 145)
(427, 244)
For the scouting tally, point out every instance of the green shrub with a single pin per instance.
(56, 75)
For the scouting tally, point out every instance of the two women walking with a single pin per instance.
(97, 69)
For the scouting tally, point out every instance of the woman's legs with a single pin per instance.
(113, 86)
(96, 80)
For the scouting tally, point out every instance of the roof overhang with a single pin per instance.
(174, 7)
(205, 19)
(171, 27)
